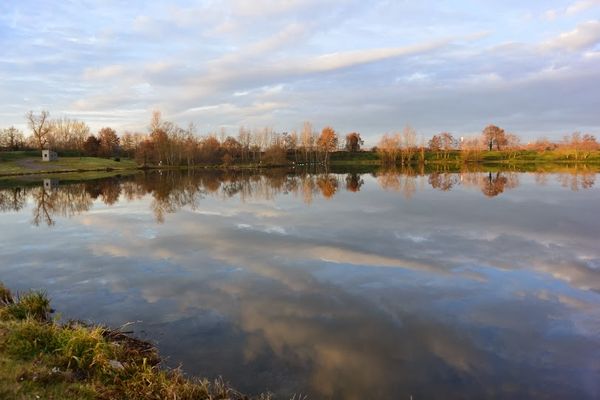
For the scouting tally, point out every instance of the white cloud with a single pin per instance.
(581, 6)
(584, 36)
(101, 73)
(355, 65)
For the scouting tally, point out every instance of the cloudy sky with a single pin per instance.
(530, 67)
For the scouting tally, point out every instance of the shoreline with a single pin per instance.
(333, 163)
(42, 358)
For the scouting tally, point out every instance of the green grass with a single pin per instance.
(41, 358)
(27, 162)
(488, 157)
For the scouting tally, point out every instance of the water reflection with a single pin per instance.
(172, 190)
(390, 284)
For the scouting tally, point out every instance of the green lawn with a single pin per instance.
(27, 162)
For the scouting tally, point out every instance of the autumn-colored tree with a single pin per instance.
(435, 145)
(210, 150)
(354, 182)
(307, 140)
(388, 148)
(130, 142)
(494, 136)
(227, 159)
(448, 143)
(353, 142)
(408, 144)
(589, 145)
(232, 147)
(275, 154)
(291, 143)
(471, 148)
(40, 127)
(109, 142)
(442, 181)
(328, 185)
(542, 145)
(327, 142)
(145, 153)
(493, 185)
(513, 145)
(91, 146)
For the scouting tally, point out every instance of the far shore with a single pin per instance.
(23, 164)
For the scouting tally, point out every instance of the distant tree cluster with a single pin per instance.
(166, 143)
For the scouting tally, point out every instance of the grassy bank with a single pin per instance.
(27, 162)
(41, 358)
(485, 157)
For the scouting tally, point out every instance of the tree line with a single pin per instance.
(166, 143)
(402, 147)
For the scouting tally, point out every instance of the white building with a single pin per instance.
(49, 155)
(50, 184)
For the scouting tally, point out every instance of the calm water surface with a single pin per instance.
(352, 286)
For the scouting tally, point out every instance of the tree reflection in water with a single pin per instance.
(172, 190)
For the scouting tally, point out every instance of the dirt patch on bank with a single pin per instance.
(36, 165)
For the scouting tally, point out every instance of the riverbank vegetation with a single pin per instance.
(166, 144)
(41, 358)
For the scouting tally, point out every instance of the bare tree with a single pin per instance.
(307, 140)
(40, 127)
(11, 138)
(408, 144)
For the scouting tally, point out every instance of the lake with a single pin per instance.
(347, 285)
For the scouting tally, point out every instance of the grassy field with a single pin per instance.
(42, 359)
(488, 157)
(27, 162)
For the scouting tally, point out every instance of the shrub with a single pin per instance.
(28, 338)
(85, 348)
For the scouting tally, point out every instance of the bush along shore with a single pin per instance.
(44, 359)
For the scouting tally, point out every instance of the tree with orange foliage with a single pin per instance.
(327, 142)
(109, 142)
(494, 136)
(353, 142)
(328, 185)
(388, 148)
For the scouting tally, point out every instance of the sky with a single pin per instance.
(530, 67)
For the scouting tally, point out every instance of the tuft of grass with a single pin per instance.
(33, 304)
(6, 296)
(40, 357)
(85, 349)
(27, 339)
